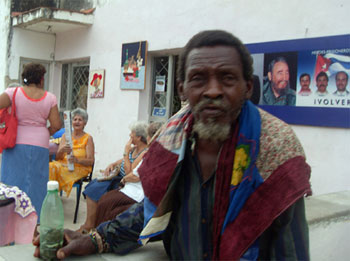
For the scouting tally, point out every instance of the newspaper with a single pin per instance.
(68, 131)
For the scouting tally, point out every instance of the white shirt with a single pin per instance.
(134, 190)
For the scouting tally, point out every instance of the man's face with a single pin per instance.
(341, 81)
(322, 83)
(279, 77)
(214, 84)
(305, 82)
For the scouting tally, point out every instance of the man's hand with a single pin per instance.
(74, 244)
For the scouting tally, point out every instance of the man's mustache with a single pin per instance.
(218, 102)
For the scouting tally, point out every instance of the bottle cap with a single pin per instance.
(52, 185)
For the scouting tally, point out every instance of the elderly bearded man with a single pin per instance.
(224, 179)
(277, 90)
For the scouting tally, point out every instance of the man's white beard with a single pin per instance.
(212, 130)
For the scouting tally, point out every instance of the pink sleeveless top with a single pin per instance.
(32, 115)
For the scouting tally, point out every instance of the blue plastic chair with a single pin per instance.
(79, 184)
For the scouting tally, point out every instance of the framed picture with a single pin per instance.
(133, 66)
(96, 83)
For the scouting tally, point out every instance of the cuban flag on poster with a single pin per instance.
(331, 63)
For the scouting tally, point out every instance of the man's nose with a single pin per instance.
(213, 89)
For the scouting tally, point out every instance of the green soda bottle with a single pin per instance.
(51, 223)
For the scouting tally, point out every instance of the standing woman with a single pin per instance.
(27, 164)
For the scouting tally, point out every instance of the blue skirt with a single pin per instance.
(96, 189)
(27, 167)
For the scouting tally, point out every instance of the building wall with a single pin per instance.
(30, 45)
(168, 25)
(4, 34)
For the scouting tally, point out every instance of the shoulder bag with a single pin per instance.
(8, 125)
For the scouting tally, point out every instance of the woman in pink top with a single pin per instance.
(27, 164)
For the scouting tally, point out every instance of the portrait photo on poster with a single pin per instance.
(323, 78)
(279, 78)
(96, 83)
(133, 66)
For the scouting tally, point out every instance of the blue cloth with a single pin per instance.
(123, 232)
(27, 167)
(96, 189)
(248, 144)
(59, 133)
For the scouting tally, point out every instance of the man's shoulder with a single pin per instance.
(267, 95)
(278, 143)
(337, 93)
(266, 87)
(270, 122)
(173, 132)
(291, 91)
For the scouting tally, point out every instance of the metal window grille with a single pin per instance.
(74, 88)
(160, 69)
(64, 87)
(176, 101)
(169, 99)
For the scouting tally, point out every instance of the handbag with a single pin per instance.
(8, 125)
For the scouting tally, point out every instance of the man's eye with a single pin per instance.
(196, 77)
(228, 78)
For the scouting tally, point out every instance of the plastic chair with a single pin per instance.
(79, 184)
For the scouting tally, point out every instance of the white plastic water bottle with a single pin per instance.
(51, 223)
(70, 164)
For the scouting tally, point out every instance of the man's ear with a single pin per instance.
(269, 75)
(250, 87)
(181, 91)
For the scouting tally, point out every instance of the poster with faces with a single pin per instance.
(315, 78)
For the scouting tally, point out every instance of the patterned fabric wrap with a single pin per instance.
(23, 204)
(264, 143)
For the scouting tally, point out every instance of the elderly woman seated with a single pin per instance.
(83, 154)
(134, 150)
(118, 200)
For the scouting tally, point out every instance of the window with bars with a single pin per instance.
(167, 98)
(74, 86)
(160, 69)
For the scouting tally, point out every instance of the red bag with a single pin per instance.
(8, 125)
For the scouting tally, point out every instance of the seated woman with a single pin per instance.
(117, 201)
(83, 154)
(133, 152)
